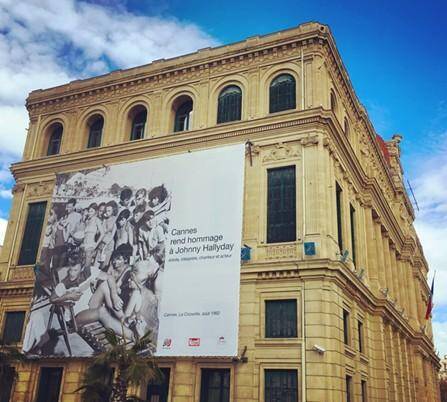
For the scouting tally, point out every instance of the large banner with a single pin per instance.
(148, 245)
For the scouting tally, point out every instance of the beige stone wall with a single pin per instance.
(386, 289)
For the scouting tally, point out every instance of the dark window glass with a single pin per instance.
(158, 391)
(353, 245)
(282, 93)
(95, 133)
(360, 335)
(54, 142)
(12, 330)
(138, 124)
(31, 235)
(281, 386)
(364, 391)
(8, 376)
(49, 384)
(348, 388)
(215, 385)
(346, 127)
(346, 327)
(229, 104)
(281, 205)
(183, 116)
(338, 198)
(280, 319)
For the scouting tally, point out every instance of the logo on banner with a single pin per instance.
(167, 343)
(194, 342)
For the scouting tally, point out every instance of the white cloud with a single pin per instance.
(430, 187)
(44, 43)
(440, 335)
(3, 224)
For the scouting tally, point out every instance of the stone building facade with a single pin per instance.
(355, 269)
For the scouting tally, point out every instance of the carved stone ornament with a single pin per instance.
(281, 151)
(40, 189)
(280, 252)
(309, 140)
(17, 188)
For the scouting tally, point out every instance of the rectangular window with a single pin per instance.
(280, 319)
(281, 385)
(353, 223)
(360, 335)
(13, 327)
(346, 327)
(364, 391)
(348, 388)
(49, 384)
(281, 205)
(31, 234)
(8, 374)
(338, 199)
(158, 391)
(215, 385)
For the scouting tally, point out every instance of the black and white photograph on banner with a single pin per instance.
(140, 247)
(100, 265)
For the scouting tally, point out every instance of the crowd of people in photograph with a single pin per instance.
(106, 259)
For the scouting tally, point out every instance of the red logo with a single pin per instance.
(167, 343)
(194, 342)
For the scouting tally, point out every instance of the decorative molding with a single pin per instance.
(282, 274)
(280, 252)
(21, 273)
(281, 151)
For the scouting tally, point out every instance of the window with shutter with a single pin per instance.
(138, 125)
(229, 104)
(280, 319)
(215, 385)
(158, 391)
(49, 384)
(13, 327)
(54, 142)
(32, 232)
(8, 375)
(282, 93)
(348, 388)
(281, 385)
(346, 327)
(281, 205)
(95, 132)
(353, 234)
(183, 116)
(339, 201)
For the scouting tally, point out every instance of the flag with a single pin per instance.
(430, 299)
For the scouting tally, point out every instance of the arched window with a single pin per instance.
(183, 113)
(139, 117)
(229, 104)
(333, 102)
(346, 123)
(282, 93)
(95, 131)
(54, 142)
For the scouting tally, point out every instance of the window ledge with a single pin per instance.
(364, 358)
(268, 342)
(349, 351)
(285, 243)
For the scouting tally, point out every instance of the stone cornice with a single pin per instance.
(180, 68)
(44, 168)
(16, 289)
(334, 271)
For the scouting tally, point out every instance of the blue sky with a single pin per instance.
(394, 51)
